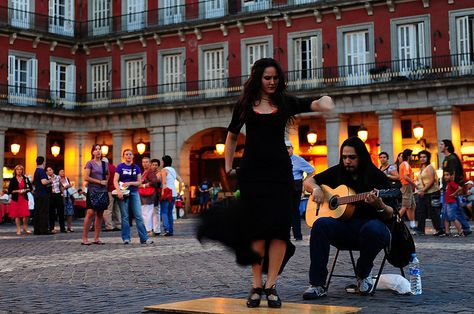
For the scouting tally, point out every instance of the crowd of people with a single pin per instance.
(112, 193)
(446, 200)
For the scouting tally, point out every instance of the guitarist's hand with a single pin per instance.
(318, 195)
(374, 200)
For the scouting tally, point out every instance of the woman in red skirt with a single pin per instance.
(19, 186)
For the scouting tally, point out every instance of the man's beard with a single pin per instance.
(351, 169)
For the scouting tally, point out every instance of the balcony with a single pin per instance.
(148, 20)
(193, 92)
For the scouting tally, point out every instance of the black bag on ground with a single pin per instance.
(402, 245)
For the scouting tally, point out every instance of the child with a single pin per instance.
(450, 208)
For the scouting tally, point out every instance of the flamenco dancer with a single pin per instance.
(257, 226)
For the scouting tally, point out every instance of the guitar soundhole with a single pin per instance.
(333, 202)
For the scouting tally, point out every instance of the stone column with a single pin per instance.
(156, 142)
(170, 144)
(390, 132)
(336, 133)
(76, 152)
(447, 127)
(117, 140)
(2, 153)
(35, 146)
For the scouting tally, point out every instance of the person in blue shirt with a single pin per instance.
(300, 166)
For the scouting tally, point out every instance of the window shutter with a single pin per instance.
(32, 74)
(11, 73)
(421, 42)
(70, 82)
(69, 17)
(52, 79)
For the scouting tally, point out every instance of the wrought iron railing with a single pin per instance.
(140, 20)
(390, 72)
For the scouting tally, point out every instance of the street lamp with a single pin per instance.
(15, 148)
(312, 137)
(55, 149)
(363, 133)
(220, 147)
(418, 130)
(141, 147)
(104, 148)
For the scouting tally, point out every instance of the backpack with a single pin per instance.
(402, 245)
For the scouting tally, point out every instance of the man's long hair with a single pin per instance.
(366, 168)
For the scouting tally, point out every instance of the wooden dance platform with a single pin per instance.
(236, 306)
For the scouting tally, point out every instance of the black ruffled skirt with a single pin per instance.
(263, 212)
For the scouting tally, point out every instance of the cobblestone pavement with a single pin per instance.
(55, 274)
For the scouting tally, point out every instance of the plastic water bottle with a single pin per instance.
(415, 275)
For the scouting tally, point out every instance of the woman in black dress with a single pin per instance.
(257, 227)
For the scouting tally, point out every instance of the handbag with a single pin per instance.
(436, 199)
(167, 195)
(99, 200)
(148, 191)
(402, 245)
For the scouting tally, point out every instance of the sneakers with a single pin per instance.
(365, 286)
(148, 242)
(314, 292)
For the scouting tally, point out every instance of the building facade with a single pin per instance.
(166, 73)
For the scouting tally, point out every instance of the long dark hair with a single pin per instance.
(427, 154)
(449, 145)
(366, 170)
(253, 86)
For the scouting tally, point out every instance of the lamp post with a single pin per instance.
(220, 147)
(418, 130)
(104, 148)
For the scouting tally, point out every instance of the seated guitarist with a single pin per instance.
(364, 231)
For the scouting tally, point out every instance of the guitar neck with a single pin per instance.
(352, 198)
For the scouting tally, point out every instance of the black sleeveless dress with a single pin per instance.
(265, 177)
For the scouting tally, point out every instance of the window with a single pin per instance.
(304, 59)
(253, 49)
(63, 83)
(411, 45)
(134, 77)
(213, 69)
(171, 11)
(100, 81)
(462, 40)
(212, 8)
(22, 79)
(255, 5)
(135, 15)
(171, 76)
(61, 17)
(100, 13)
(20, 13)
(357, 53)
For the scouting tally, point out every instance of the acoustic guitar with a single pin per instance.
(339, 203)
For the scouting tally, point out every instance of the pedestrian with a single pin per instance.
(169, 194)
(147, 191)
(391, 171)
(300, 167)
(408, 184)
(204, 194)
(451, 207)
(427, 196)
(112, 215)
(19, 187)
(68, 200)
(452, 164)
(96, 174)
(41, 193)
(257, 226)
(128, 176)
(56, 202)
(155, 167)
